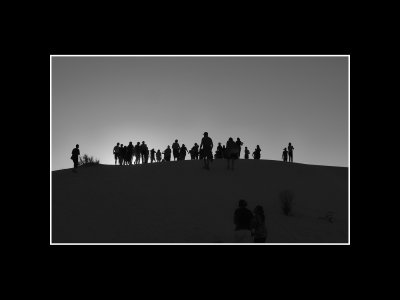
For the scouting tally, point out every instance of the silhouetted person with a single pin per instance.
(116, 152)
(167, 154)
(152, 153)
(239, 143)
(182, 154)
(121, 154)
(224, 152)
(145, 153)
(125, 155)
(218, 153)
(207, 145)
(158, 155)
(191, 152)
(242, 220)
(175, 149)
(137, 153)
(257, 153)
(246, 153)
(232, 153)
(75, 155)
(290, 148)
(196, 151)
(284, 155)
(259, 230)
(130, 149)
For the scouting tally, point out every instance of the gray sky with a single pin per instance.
(267, 101)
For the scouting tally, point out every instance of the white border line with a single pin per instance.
(221, 244)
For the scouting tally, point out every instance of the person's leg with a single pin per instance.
(233, 164)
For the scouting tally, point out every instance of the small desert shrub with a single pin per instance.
(286, 198)
(87, 161)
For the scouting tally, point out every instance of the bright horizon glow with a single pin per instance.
(97, 101)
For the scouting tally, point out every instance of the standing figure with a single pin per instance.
(121, 154)
(116, 152)
(152, 153)
(218, 153)
(257, 153)
(167, 154)
(137, 153)
(207, 145)
(196, 151)
(259, 230)
(183, 150)
(242, 219)
(175, 149)
(129, 153)
(246, 153)
(284, 155)
(239, 143)
(232, 152)
(290, 148)
(75, 155)
(158, 155)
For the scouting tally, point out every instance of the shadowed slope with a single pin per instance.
(181, 202)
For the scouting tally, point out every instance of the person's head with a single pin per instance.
(238, 139)
(195, 144)
(117, 144)
(258, 146)
(205, 134)
(77, 146)
(142, 142)
(290, 144)
(219, 144)
(245, 147)
(130, 143)
(259, 210)
(230, 139)
(242, 203)
(284, 149)
(122, 145)
(138, 143)
(168, 146)
(176, 141)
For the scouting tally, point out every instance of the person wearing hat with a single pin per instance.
(242, 220)
(284, 155)
(206, 146)
(259, 230)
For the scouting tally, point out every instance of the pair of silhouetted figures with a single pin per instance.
(287, 153)
(248, 227)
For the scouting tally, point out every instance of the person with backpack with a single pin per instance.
(290, 148)
(239, 143)
(259, 230)
(175, 149)
(284, 155)
(116, 152)
(167, 154)
(257, 153)
(232, 152)
(158, 155)
(242, 220)
(246, 153)
(207, 145)
(75, 156)
(152, 153)
(183, 150)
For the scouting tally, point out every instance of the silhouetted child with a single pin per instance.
(167, 154)
(152, 153)
(290, 148)
(284, 155)
(239, 143)
(232, 153)
(116, 152)
(196, 151)
(75, 155)
(259, 230)
(246, 153)
(207, 145)
(175, 149)
(158, 155)
(242, 219)
(257, 153)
